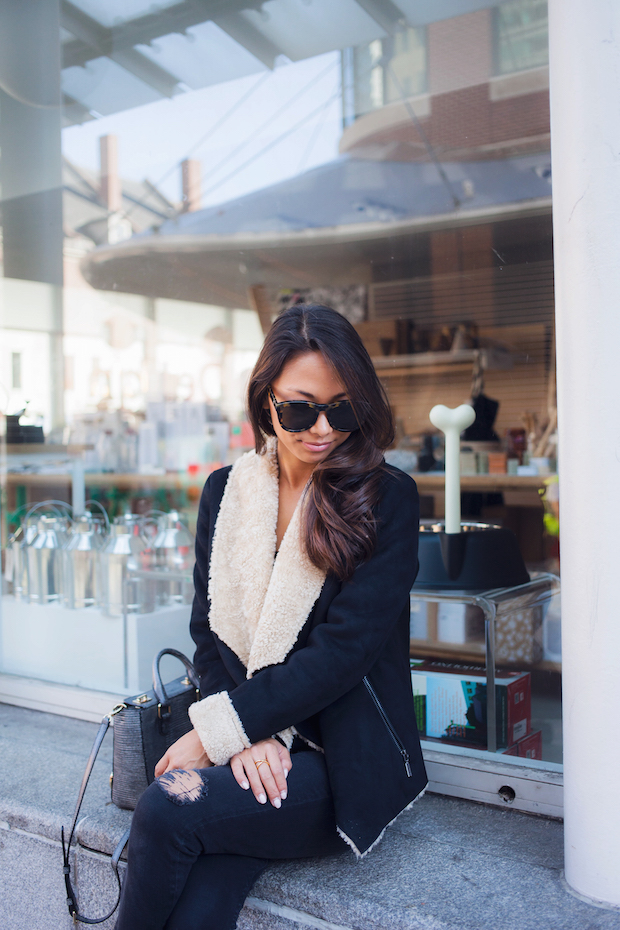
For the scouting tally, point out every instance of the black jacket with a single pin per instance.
(346, 684)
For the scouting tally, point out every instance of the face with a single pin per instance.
(308, 377)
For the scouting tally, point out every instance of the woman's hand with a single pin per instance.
(268, 779)
(187, 753)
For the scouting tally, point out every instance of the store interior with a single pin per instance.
(123, 372)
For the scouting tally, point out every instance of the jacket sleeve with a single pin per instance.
(339, 652)
(211, 670)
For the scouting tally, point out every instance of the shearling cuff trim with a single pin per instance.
(287, 736)
(218, 725)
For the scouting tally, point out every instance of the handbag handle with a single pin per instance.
(158, 685)
(162, 698)
(66, 845)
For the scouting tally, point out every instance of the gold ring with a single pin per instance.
(260, 762)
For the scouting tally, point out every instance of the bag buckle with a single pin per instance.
(163, 711)
(115, 710)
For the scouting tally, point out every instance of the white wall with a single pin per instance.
(585, 135)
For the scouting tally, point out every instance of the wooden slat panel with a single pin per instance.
(511, 294)
(512, 305)
(524, 388)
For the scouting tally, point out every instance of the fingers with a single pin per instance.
(252, 768)
(261, 783)
(186, 753)
(263, 768)
(276, 770)
(162, 765)
(285, 758)
(238, 771)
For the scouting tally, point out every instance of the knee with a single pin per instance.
(157, 818)
(182, 787)
(150, 816)
(155, 815)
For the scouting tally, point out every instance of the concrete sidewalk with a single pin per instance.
(446, 864)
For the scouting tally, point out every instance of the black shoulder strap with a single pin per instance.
(66, 846)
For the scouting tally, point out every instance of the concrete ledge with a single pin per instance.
(446, 864)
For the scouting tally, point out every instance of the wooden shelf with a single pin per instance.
(435, 481)
(426, 481)
(415, 371)
(111, 480)
(452, 652)
(428, 363)
(470, 652)
(43, 448)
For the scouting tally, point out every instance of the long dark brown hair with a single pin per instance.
(339, 525)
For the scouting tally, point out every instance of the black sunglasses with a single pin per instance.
(295, 416)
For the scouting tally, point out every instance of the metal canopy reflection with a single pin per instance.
(117, 55)
(326, 225)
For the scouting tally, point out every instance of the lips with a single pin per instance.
(316, 446)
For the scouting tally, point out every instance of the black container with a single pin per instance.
(22, 433)
(479, 558)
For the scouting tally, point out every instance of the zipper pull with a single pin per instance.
(405, 756)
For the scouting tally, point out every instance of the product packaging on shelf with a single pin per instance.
(451, 703)
(530, 747)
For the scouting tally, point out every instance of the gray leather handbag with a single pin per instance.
(145, 726)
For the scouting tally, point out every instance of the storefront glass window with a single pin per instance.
(521, 35)
(387, 70)
(164, 196)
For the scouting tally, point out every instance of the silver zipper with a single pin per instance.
(395, 738)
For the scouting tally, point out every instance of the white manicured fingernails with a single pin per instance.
(286, 773)
(245, 785)
(262, 799)
(277, 802)
(283, 795)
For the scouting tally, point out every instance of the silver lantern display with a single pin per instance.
(81, 575)
(44, 560)
(17, 568)
(173, 554)
(124, 552)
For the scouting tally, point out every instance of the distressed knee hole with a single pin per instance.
(182, 787)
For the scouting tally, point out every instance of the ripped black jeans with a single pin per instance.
(199, 842)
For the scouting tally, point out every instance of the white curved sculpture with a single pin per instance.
(452, 421)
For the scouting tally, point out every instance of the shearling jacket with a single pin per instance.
(325, 659)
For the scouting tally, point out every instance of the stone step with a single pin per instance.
(444, 865)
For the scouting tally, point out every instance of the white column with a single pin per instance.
(585, 134)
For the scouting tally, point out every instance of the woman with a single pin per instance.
(306, 551)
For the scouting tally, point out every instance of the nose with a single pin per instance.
(321, 427)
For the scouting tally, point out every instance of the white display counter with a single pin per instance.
(86, 648)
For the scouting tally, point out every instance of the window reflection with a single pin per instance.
(395, 167)
(521, 35)
(388, 69)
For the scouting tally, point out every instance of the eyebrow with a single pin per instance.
(311, 397)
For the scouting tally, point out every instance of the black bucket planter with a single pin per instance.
(479, 558)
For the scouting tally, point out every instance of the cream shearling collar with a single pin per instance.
(259, 607)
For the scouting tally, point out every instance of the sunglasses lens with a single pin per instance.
(297, 417)
(300, 415)
(343, 418)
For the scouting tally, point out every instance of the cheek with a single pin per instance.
(340, 440)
